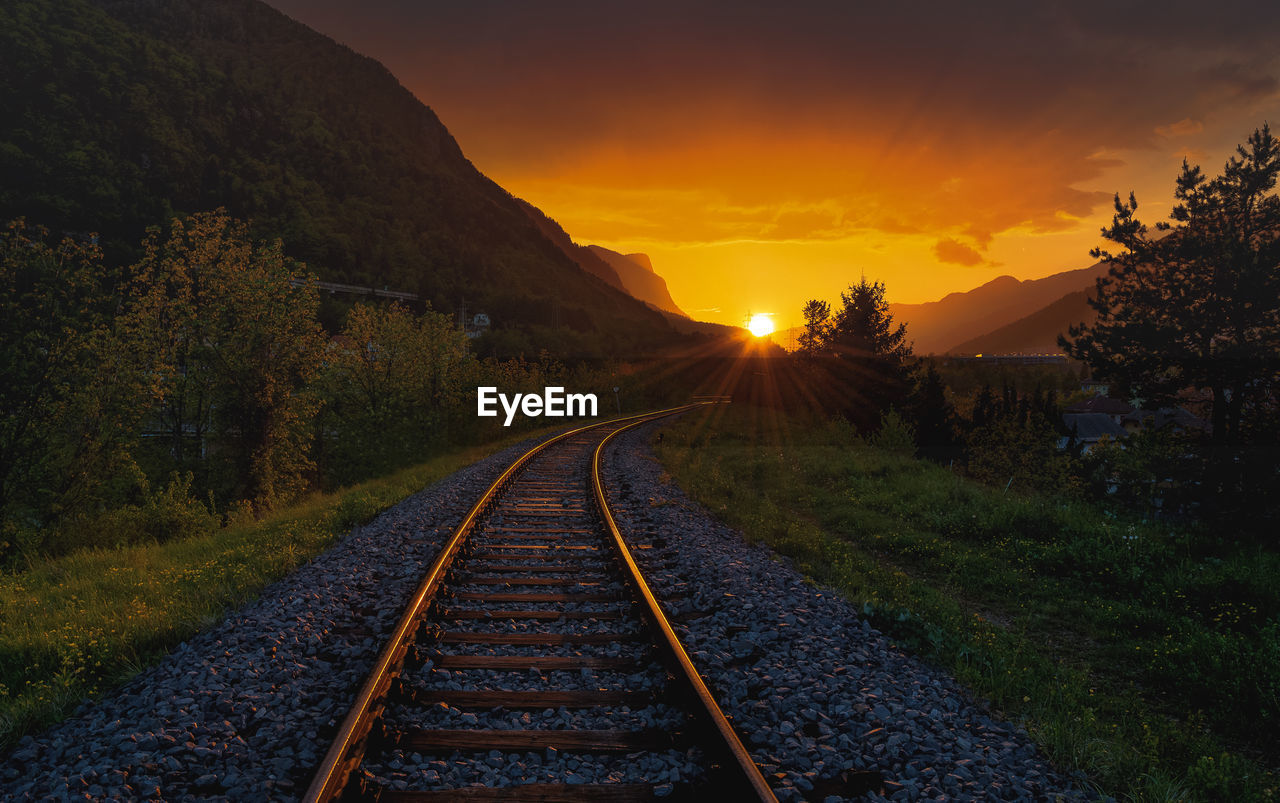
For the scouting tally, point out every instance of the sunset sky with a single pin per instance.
(767, 153)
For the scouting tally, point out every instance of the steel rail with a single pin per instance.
(345, 752)
(752, 782)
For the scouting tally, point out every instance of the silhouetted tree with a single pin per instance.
(934, 417)
(817, 328)
(1198, 307)
(866, 357)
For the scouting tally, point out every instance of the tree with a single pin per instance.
(1010, 453)
(390, 382)
(77, 372)
(817, 328)
(241, 328)
(866, 357)
(934, 417)
(1197, 306)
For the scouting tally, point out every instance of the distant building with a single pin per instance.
(478, 325)
(1014, 359)
(1092, 420)
(1096, 388)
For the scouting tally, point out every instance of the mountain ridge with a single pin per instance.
(1036, 333)
(639, 278)
(935, 327)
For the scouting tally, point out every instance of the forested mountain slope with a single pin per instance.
(121, 113)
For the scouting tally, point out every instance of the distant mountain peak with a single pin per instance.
(639, 278)
(640, 259)
(936, 327)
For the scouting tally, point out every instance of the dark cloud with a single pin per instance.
(956, 252)
(957, 118)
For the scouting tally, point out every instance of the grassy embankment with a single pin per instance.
(1146, 656)
(74, 626)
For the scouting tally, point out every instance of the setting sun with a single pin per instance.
(760, 324)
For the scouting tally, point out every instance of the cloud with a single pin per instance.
(1182, 128)
(956, 252)
(1237, 81)
(823, 121)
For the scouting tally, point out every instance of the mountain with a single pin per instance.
(936, 327)
(1037, 333)
(584, 257)
(639, 279)
(642, 260)
(633, 274)
(119, 114)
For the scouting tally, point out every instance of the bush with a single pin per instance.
(1010, 454)
(170, 514)
(895, 435)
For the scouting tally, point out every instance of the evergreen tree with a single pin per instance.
(1198, 307)
(867, 359)
(934, 417)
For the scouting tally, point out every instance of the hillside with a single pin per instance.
(936, 327)
(122, 113)
(1037, 333)
(583, 256)
(639, 278)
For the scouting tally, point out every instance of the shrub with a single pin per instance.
(895, 435)
(170, 514)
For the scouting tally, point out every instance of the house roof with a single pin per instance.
(1092, 426)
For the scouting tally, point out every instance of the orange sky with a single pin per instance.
(764, 155)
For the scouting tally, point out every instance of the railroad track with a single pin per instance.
(533, 661)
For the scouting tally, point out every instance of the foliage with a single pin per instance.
(206, 359)
(935, 419)
(392, 383)
(1008, 453)
(862, 359)
(894, 435)
(170, 513)
(1198, 307)
(1012, 442)
(1150, 473)
(75, 374)
(1131, 652)
(240, 320)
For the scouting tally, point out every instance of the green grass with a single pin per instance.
(75, 626)
(1147, 657)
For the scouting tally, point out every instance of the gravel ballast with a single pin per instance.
(244, 711)
(815, 692)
